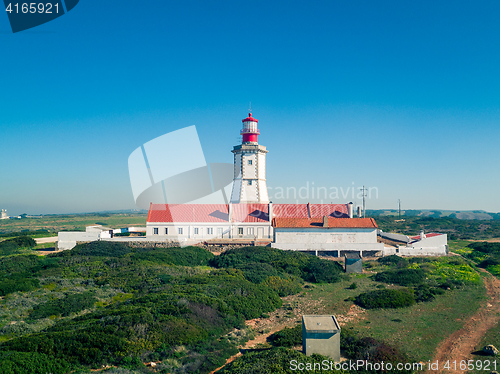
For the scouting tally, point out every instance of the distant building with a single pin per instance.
(321, 335)
(353, 263)
(4, 214)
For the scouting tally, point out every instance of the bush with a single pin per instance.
(282, 286)
(352, 286)
(305, 266)
(400, 262)
(399, 298)
(485, 247)
(31, 363)
(403, 277)
(288, 337)
(101, 248)
(187, 256)
(275, 361)
(65, 306)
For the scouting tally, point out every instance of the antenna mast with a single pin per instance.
(399, 202)
(364, 202)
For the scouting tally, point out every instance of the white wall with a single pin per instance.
(188, 231)
(324, 235)
(433, 246)
(68, 239)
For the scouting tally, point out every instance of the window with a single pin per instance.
(240, 230)
(219, 232)
(179, 230)
(155, 230)
(250, 183)
(196, 230)
(249, 162)
(249, 230)
(166, 230)
(210, 230)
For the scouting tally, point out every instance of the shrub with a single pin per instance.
(399, 298)
(65, 306)
(400, 262)
(403, 277)
(485, 247)
(288, 337)
(353, 286)
(32, 363)
(282, 286)
(101, 248)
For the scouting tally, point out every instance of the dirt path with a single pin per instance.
(460, 345)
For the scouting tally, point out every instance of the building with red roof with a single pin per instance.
(250, 215)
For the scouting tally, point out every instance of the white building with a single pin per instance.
(4, 214)
(327, 234)
(201, 222)
(432, 244)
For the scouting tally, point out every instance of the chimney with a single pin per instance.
(350, 209)
(325, 221)
(422, 235)
(230, 212)
(271, 212)
(359, 212)
(309, 210)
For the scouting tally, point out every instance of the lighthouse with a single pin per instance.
(249, 185)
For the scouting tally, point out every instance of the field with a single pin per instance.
(76, 222)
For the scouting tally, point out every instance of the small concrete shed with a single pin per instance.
(353, 263)
(321, 335)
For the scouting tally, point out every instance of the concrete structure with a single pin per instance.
(432, 244)
(353, 263)
(4, 214)
(321, 335)
(327, 234)
(69, 239)
(249, 184)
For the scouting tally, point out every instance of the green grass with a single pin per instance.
(416, 330)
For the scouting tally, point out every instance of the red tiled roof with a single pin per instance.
(361, 223)
(250, 212)
(207, 213)
(188, 213)
(241, 212)
(430, 235)
(310, 210)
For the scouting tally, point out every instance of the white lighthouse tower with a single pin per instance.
(249, 166)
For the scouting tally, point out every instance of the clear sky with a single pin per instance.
(401, 96)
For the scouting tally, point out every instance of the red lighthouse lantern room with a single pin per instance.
(250, 131)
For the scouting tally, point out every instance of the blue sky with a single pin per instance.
(399, 96)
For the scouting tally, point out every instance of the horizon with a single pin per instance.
(401, 98)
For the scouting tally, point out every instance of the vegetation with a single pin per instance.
(106, 303)
(259, 263)
(403, 277)
(276, 361)
(387, 298)
(288, 337)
